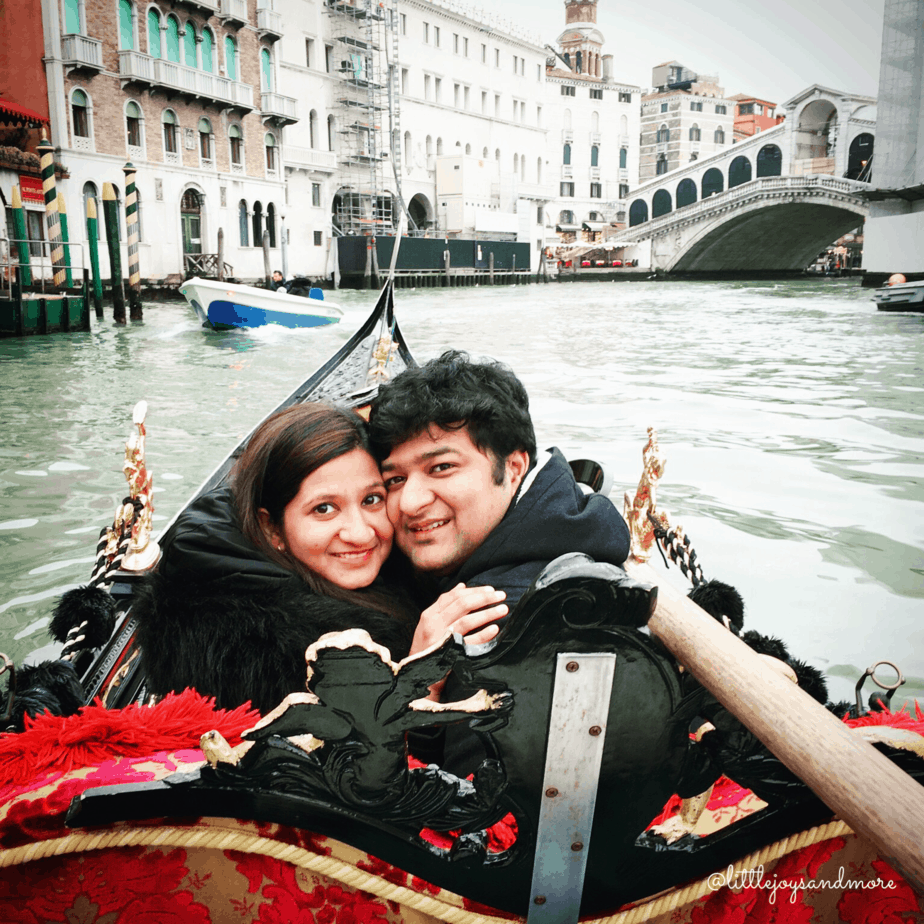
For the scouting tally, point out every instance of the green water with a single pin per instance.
(789, 413)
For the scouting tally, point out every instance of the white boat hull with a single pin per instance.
(904, 296)
(225, 306)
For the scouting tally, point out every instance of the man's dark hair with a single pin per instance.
(452, 392)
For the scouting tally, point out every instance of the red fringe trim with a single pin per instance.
(96, 734)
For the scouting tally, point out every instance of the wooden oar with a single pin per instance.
(864, 788)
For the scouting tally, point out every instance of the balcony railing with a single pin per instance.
(309, 158)
(81, 51)
(135, 66)
(209, 7)
(567, 136)
(277, 107)
(233, 11)
(595, 137)
(269, 23)
(567, 171)
(595, 173)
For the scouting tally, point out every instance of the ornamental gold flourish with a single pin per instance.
(636, 509)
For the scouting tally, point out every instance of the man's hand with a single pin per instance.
(463, 610)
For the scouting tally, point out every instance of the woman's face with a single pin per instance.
(336, 525)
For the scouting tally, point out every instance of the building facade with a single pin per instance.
(684, 117)
(185, 92)
(753, 115)
(594, 142)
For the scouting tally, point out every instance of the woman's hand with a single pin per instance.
(465, 610)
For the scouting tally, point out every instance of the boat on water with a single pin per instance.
(195, 814)
(225, 306)
(900, 296)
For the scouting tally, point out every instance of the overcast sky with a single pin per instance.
(770, 48)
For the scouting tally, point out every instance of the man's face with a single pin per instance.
(277, 276)
(442, 497)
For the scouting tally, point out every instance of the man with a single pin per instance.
(279, 282)
(474, 504)
(471, 500)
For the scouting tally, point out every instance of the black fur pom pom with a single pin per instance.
(52, 686)
(719, 600)
(84, 604)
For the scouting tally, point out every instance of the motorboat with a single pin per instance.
(901, 296)
(225, 306)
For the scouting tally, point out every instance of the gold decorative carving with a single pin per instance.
(383, 353)
(143, 552)
(636, 509)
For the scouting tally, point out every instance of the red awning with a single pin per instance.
(20, 113)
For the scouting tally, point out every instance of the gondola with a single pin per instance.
(590, 802)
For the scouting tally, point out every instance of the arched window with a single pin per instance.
(468, 149)
(126, 25)
(266, 70)
(429, 145)
(153, 33)
(90, 192)
(242, 223)
(623, 125)
(236, 138)
(497, 154)
(566, 154)
(713, 182)
(623, 158)
(271, 223)
(439, 146)
(686, 193)
(133, 125)
(661, 166)
(516, 163)
(523, 167)
(594, 156)
(189, 45)
(313, 128)
(208, 57)
(538, 169)
(72, 17)
(695, 133)
(331, 125)
(859, 158)
(257, 224)
(661, 203)
(406, 151)
(769, 161)
(720, 136)
(739, 171)
(566, 217)
(595, 121)
(171, 142)
(638, 213)
(173, 39)
(484, 153)
(230, 58)
(80, 114)
(271, 155)
(205, 140)
(664, 134)
(566, 119)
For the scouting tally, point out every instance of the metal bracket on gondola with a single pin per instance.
(577, 732)
(891, 687)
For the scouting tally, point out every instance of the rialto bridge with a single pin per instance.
(769, 203)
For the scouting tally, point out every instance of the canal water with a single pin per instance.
(790, 415)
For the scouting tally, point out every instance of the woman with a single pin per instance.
(254, 573)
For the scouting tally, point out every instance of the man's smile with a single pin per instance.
(426, 527)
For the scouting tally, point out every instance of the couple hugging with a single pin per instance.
(435, 517)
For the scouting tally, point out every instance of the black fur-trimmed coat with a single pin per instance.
(220, 617)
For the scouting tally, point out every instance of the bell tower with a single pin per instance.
(582, 42)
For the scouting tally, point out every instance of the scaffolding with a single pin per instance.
(365, 56)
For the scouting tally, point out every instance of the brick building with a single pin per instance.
(186, 92)
(685, 116)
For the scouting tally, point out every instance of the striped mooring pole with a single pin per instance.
(20, 233)
(131, 228)
(47, 153)
(93, 246)
(111, 215)
(65, 240)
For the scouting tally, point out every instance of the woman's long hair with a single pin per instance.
(283, 451)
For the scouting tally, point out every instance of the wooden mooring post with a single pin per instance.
(221, 255)
(65, 240)
(111, 216)
(267, 266)
(47, 154)
(20, 233)
(131, 229)
(93, 247)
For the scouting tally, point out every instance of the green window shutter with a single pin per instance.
(230, 58)
(207, 51)
(173, 39)
(154, 33)
(266, 69)
(189, 46)
(126, 31)
(71, 17)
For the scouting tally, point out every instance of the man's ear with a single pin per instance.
(273, 536)
(517, 465)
